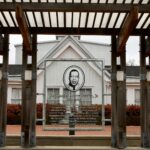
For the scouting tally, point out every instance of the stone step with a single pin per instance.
(73, 141)
(69, 148)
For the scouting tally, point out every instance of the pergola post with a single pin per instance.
(3, 89)
(145, 95)
(28, 137)
(118, 98)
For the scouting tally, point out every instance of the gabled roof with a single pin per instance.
(64, 43)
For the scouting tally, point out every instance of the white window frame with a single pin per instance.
(16, 99)
(56, 98)
(86, 102)
(137, 100)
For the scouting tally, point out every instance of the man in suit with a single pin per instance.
(74, 79)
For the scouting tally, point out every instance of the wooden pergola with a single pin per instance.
(117, 18)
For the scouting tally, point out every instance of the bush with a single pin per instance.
(87, 112)
(133, 115)
(13, 114)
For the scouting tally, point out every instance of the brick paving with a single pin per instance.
(16, 130)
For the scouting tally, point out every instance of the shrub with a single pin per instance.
(133, 115)
(56, 112)
(13, 114)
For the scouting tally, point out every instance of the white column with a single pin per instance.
(61, 95)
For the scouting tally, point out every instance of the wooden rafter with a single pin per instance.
(74, 7)
(73, 31)
(148, 46)
(23, 28)
(128, 26)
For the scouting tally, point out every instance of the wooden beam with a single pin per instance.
(148, 46)
(114, 91)
(3, 91)
(74, 31)
(1, 44)
(74, 7)
(128, 26)
(118, 99)
(28, 136)
(23, 28)
(143, 93)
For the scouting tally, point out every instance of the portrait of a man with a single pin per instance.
(73, 78)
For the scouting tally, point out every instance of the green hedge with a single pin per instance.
(132, 113)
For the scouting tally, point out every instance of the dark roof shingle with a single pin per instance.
(14, 69)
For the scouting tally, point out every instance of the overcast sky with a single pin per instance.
(132, 48)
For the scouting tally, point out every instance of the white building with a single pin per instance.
(72, 48)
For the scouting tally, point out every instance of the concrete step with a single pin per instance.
(73, 141)
(69, 148)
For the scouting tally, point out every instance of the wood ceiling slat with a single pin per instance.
(108, 21)
(123, 20)
(86, 22)
(28, 22)
(34, 19)
(65, 19)
(50, 22)
(57, 19)
(79, 20)
(71, 19)
(94, 20)
(12, 19)
(120, 20)
(101, 20)
(43, 22)
(145, 21)
(147, 24)
(5, 19)
(116, 20)
(140, 18)
(1, 25)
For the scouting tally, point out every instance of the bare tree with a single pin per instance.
(131, 62)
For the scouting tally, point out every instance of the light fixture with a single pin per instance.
(0, 74)
(148, 76)
(28, 75)
(120, 75)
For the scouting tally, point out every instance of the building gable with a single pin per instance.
(70, 42)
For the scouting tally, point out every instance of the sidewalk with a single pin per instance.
(16, 130)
